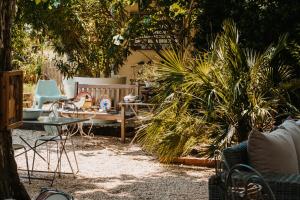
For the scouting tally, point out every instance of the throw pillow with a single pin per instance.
(294, 131)
(273, 152)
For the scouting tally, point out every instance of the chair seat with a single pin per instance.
(18, 146)
(50, 98)
(51, 138)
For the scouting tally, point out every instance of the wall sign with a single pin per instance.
(11, 99)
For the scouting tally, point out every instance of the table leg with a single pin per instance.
(134, 110)
(63, 150)
(123, 123)
(58, 163)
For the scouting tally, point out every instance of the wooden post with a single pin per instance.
(123, 123)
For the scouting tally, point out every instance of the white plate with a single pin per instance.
(105, 104)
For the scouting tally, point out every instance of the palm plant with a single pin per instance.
(218, 97)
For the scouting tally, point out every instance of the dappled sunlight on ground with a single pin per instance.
(112, 170)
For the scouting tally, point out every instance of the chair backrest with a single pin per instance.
(115, 92)
(47, 88)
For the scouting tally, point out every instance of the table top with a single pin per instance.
(136, 103)
(86, 112)
(58, 121)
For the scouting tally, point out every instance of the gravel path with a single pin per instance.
(111, 170)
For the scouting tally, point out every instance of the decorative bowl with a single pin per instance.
(31, 113)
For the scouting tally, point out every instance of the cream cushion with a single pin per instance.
(294, 131)
(273, 152)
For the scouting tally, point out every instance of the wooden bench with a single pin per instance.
(116, 93)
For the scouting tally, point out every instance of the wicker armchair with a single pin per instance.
(284, 187)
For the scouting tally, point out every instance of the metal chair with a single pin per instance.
(46, 91)
(284, 186)
(17, 147)
(245, 183)
(55, 136)
(75, 107)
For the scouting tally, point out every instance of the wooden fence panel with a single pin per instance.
(51, 72)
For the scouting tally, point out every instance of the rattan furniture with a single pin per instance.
(284, 187)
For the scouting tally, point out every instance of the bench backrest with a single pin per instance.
(115, 92)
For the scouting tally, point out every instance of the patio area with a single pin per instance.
(126, 99)
(112, 170)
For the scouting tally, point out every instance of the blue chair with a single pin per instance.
(46, 91)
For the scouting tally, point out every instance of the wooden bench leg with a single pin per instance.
(123, 124)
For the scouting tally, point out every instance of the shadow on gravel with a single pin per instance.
(159, 187)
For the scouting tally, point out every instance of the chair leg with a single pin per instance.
(80, 127)
(68, 159)
(63, 149)
(89, 132)
(27, 165)
(77, 128)
(57, 153)
(73, 148)
(33, 159)
(48, 155)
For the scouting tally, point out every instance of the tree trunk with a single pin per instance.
(10, 185)
(7, 8)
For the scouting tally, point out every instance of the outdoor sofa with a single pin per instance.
(285, 186)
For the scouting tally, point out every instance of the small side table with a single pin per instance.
(134, 106)
(58, 122)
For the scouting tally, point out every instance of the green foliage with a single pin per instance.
(147, 73)
(295, 47)
(261, 22)
(176, 19)
(26, 54)
(219, 96)
(81, 29)
(84, 29)
(28, 88)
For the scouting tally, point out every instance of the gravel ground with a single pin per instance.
(112, 170)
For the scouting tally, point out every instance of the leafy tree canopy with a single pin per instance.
(81, 29)
(85, 29)
(260, 22)
(176, 19)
